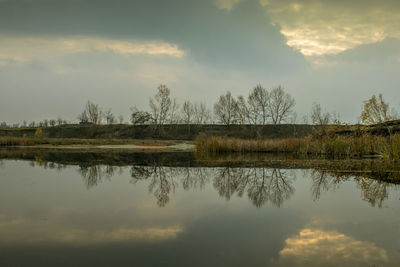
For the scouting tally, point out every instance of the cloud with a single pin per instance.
(325, 248)
(225, 4)
(330, 27)
(22, 231)
(28, 48)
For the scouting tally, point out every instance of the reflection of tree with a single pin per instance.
(195, 177)
(47, 164)
(162, 181)
(261, 184)
(93, 175)
(374, 191)
(229, 181)
(322, 181)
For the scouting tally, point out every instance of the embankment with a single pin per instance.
(166, 132)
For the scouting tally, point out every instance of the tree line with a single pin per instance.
(260, 107)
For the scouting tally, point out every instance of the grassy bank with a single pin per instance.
(337, 146)
(8, 141)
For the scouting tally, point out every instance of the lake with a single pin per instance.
(82, 210)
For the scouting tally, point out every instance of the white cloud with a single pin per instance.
(28, 48)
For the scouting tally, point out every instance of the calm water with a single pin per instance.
(71, 215)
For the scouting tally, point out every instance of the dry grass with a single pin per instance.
(337, 146)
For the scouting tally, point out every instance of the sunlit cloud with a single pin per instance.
(330, 27)
(324, 248)
(27, 48)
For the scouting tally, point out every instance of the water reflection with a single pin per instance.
(108, 214)
(330, 248)
(260, 185)
(230, 176)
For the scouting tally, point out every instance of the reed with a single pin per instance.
(331, 146)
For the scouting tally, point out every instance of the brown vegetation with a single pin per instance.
(336, 146)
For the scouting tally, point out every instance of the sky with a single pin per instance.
(56, 55)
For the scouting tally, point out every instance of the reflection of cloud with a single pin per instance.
(330, 27)
(322, 248)
(28, 231)
(6, 60)
(28, 48)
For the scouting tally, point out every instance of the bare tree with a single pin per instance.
(173, 116)
(160, 104)
(92, 113)
(201, 113)
(243, 110)
(280, 105)
(226, 109)
(110, 118)
(259, 102)
(318, 117)
(188, 112)
(376, 110)
(52, 123)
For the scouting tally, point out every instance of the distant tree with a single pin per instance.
(92, 113)
(52, 123)
(318, 117)
(201, 113)
(376, 110)
(226, 109)
(188, 112)
(160, 104)
(46, 123)
(3, 124)
(110, 118)
(83, 117)
(120, 118)
(140, 117)
(280, 105)
(32, 124)
(24, 123)
(59, 120)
